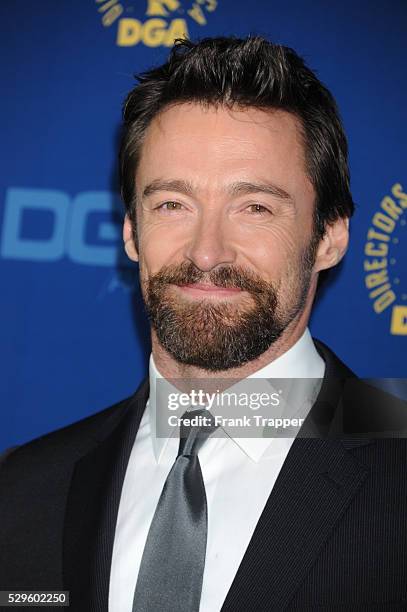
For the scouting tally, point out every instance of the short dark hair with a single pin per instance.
(244, 72)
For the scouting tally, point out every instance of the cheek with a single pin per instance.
(271, 251)
(159, 245)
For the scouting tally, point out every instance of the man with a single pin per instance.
(235, 180)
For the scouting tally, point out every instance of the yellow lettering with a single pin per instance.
(154, 32)
(375, 264)
(397, 191)
(128, 32)
(372, 235)
(178, 29)
(158, 8)
(398, 325)
(211, 5)
(197, 14)
(373, 294)
(106, 6)
(383, 222)
(384, 301)
(113, 14)
(380, 251)
(390, 206)
(376, 278)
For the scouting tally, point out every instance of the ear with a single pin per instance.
(333, 245)
(129, 245)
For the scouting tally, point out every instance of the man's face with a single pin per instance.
(225, 231)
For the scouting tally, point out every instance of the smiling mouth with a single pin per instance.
(207, 290)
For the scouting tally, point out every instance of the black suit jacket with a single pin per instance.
(332, 535)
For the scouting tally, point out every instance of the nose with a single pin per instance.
(210, 243)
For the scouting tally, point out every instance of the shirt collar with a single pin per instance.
(301, 361)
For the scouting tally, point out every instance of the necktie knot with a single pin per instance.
(196, 427)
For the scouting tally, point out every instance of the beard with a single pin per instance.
(220, 335)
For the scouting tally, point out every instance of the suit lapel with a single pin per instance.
(92, 507)
(317, 482)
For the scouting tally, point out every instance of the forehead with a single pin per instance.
(214, 145)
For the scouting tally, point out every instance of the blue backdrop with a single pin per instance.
(74, 336)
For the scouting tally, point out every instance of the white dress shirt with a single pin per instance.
(239, 475)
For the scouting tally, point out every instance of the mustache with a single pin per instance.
(227, 277)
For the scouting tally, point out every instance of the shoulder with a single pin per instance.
(67, 444)
(365, 408)
(6, 453)
(334, 366)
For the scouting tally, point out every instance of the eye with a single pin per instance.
(170, 205)
(259, 209)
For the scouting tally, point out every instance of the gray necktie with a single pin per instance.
(171, 570)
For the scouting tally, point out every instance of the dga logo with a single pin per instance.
(384, 260)
(48, 225)
(163, 20)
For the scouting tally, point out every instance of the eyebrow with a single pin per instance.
(171, 185)
(245, 188)
(235, 189)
